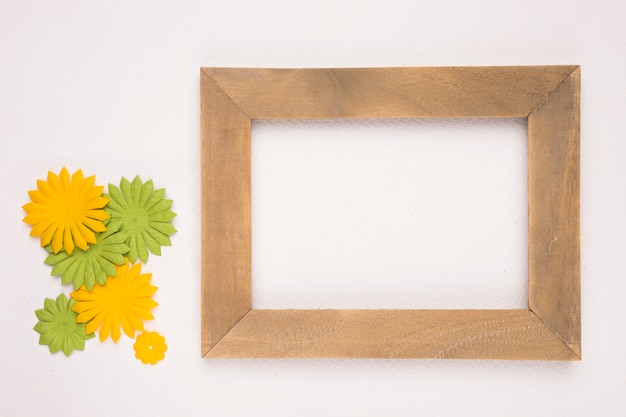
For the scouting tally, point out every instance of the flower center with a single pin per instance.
(135, 220)
(69, 209)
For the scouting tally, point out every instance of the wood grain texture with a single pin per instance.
(226, 239)
(553, 211)
(389, 92)
(549, 96)
(437, 334)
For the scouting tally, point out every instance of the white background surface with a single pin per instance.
(113, 88)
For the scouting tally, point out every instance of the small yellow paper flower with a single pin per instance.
(125, 300)
(66, 211)
(150, 347)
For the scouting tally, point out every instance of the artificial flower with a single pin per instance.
(66, 211)
(94, 265)
(150, 347)
(58, 327)
(125, 300)
(145, 214)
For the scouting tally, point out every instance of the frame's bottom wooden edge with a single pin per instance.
(392, 334)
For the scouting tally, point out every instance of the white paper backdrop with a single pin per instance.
(113, 88)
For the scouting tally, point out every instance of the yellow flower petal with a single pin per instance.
(95, 225)
(38, 197)
(64, 180)
(57, 240)
(40, 227)
(68, 241)
(45, 189)
(46, 236)
(77, 178)
(105, 329)
(79, 239)
(115, 331)
(97, 203)
(53, 180)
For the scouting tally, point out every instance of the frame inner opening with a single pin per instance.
(390, 214)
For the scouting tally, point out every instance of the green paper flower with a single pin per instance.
(58, 328)
(96, 263)
(146, 217)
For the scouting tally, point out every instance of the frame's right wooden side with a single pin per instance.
(554, 211)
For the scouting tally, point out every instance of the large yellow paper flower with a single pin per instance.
(66, 211)
(125, 300)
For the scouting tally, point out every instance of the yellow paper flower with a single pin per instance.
(150, 347)
(66, 211)
(125, 300)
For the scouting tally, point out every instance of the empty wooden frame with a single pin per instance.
(548, 96)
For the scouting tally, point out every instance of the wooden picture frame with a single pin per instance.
(548, 96)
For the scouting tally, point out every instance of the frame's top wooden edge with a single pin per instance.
(388, 92)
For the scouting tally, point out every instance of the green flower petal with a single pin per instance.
(58, 328)
(59, 263)
(69, 274)
(145, 216)
(126, 191)
(163, 217)
(116, 197)
(142, 250)
(41, 326)
(51, 306)
(116, 247)
(156, 196)
(45, 338)
(56, 258)
(62, 303)
(115, 258)
(44, 315)
(136, 191)
(132, 244)
(114, 205)
(164, 228)
(107, 268)
(146, 191)
(80, 272)
(90, 276)
(153, 245)
(160, 206)
(161, 238)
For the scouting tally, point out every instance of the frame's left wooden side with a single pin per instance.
(226, 235)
